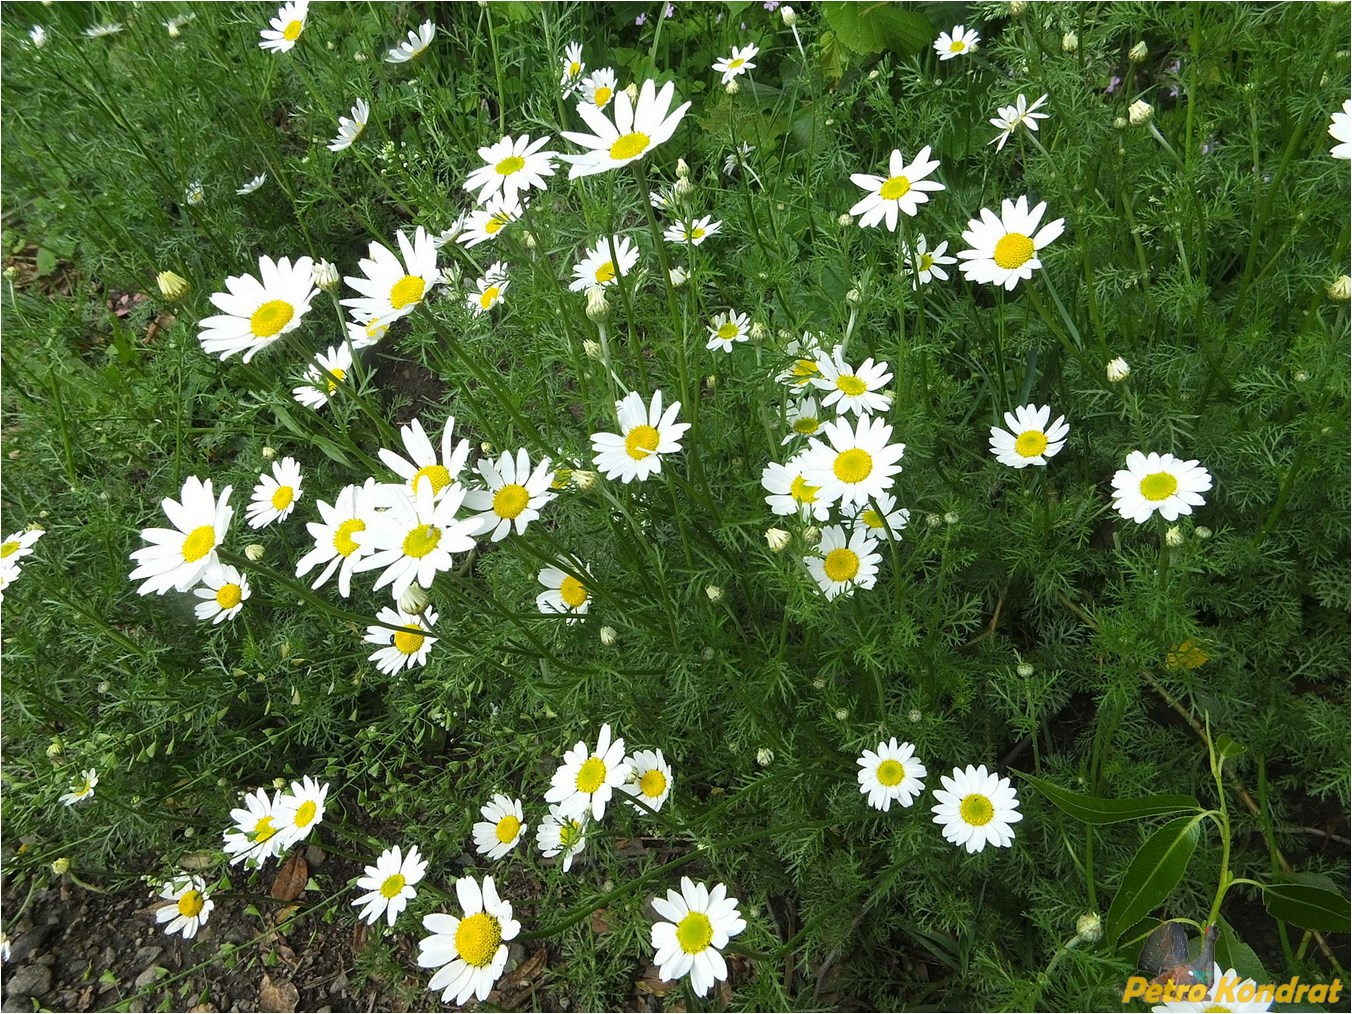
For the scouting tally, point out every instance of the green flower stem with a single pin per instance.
(497, 66)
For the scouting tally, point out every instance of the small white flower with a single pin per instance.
(223, 592)
(276, 495)
(285, 28)
(469, 953)
(389, 884)
(1340, 129)
(646, 434)
(845, 562)
(560, 833)
(850, 389)
(350, 128)
(81, 789)
(976, 809)
(401, 649)
(501, 829)
(586, 779)
(692, 231)
(252, 184)
(960, 42)
(891, 773)
(649, 778)
(1118, 371)
(727, 329)
(415, 46)
(1159, 483)
(190, 908)
(927, 264)
(1029, 440)
(1010, 118)
(699, 925)
(739, 63)
(902, 190)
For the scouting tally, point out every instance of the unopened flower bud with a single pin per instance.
(61, 866)
(711, 381)
(414, 600)
(853, 297)
(254, 551)
(1024, 670)
(776, 539)
(1341, 290)
(1202, 532)
(874, 74)
(609, 636)
(812, 535)
(1119, 123)
(914, 715)
(789, 15)
(1089, 928)
(172, 286)
(682, 169)
(1173, 536)
(1017, 7)
(765, 756)
(55, 749)
(1138, 53)
(529, 239)
(326, 275)
(818, 683)
(714, 592)
(597, 307)
(268, 453)
(487, 448)
(759, 332)
(951, 518)
(678, 277)
(1070, 43)
(842, 714)
(583, 479)
(592, 349)
(683, 188)
(933, 520)
(845, 221)
(631, 90)
(1118, 371)
(1140, 112)
(732, 87)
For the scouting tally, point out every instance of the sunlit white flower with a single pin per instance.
(846, 561)
(891, 774)
(285, 27)
(563, 593)
(511, 167)
(646, 433)
(276, 495)
(389, 885)
(223, 592)
(401, 648)
(174, 26)
(415, 538)
(977, 808)
(1159, 483)
(81, 789)
(573, 68)
(611, 257)
(257, 834)
(926, 264)
(391, 289)
(1118, 370)
(364, 331)
(252, 185)
(1029, 440)
(1003, 250)
(699, 923)
(1010, 118)
(178, 557)
(635, 130)
(790, 493)
(737, 64)
(728, 328)
(960, 42)
(804, 352)
(415, 45)
(855, 465)
(692, 231)
(423, 459)
(880, 517)
(20, 544)
(513, 494)
(501, 829)
(649, 779)
(102, 31)
(598, 88)
(469, 953)
(256, 313)
(304, 808)
(804, 419)
(850, 389)
(561, 834)
(483, 224)
(339, 537)
(37, 35)
(586, 779)
(489, 290)
(350, 128)
(190, 906)
(903, 190)
(1340, 129)
(323, 375)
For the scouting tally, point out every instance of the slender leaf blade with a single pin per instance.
(1095, 810)
(1155, 871)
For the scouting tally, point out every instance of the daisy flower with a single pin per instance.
(804, 352)
(513, 495)
(847, 561)
(304, 808)
(699, 925)
(977, 808)
(223, 592)
(649, 779)
(257, 834)
(339, 536)
(469, 953)
(103, 31)
(1224, 994)
(891, 774)
(600, 266)
(483, 224)
(401, 649)
(903, 189)
(276, 495)
(252, 185)
(9, 573)
(737, 64)
(389, 884)
(501, 829)
(1009, 118)
(1159, 482)
(489, 290)
(881, 518)
(415, 46)
(693, 231)
(37, 35)
(256, 313)
(790, 492)
(850, 389)
(286, 27)
(1003, 250)
(563, 594)
(960, 42)
(511, 168)
(738, 159)
(598, 88)
(1341, 131)
(364, 331)
(926, 264)
(559, 833)
(390, 289)
(350, 128)
(1029, 440)
(322, 376)
(422, 458)
(635, 131)
(572, 69)
(853, 465)
(194, 194)
(728, 328)
(178, 557)
(174, 26)
(20, 544)
(81, 789)
(414, 539)
(804, 420)
(190, 909)
(645, 435)
(586, 779)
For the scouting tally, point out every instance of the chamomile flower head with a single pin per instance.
(803, 351)
(1223, 994)
(469, 953)
(276, 495)
(414, 46)
(81, 789)
(891, 774)
(1002, 250)
(489, 290)
(698, 925)
(880, 517)
(103, 31)
(727, 329)
(258, 832)
(252, 185)
(9, 573)
(692, 231)
(304, 808)
(501, 829)
(389, 885)
(511, 168)
(339, 536)
(423, 460)
(255, 313)
(1029, 440)
(903, 190)
(739, 158)
(1159, 483)
(223, 592)
(178, 557)
(851, 389)
(285, 28)
(1340, 129)
(175, 25)
(322, 377)
(737, 64)
(513, 494)
(401, 649)
(586, 779)
(853, 466)
(646, 433)
(977, 808)
(804, 419)
(19, 545)
(486, 223)
(1009, 118)
(189, 906)
(926, 265)
(649, 779)
(790, 493)
(573, 69)
(363, 331)
(414, 539)
(350, 127)
(562, 834)
(563, 593)
(635, 130)
(603, 263)
(844, 561)
(391, 288)
(598, 88)
(961, 42)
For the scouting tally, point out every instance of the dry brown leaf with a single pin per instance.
(652, 983)
(600, 924)
(289, 884)
(279, 997)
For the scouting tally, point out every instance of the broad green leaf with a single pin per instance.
(1153, 874)
(874, 27)
(1227, 747)
(1232, 952)
(1306, 902)
(1093, 810)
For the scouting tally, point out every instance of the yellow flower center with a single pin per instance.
(407, 291)
(306, 813)
(890, 773)
(342, 538)
(8, 548)
(976, 810)
(569, 835)
(190, 905)
(1215, 1007)
(573, 592)
(508, 828)
(264, 830)
(801, 491)
(477, 938)
(510, 501)
(406, 643)
(653, 784)
(851, 385)
(393, 887)
(630, 146)
(842, 564)
(375, 331)
(734, 64)
(199, 543)
(605, 273)
(292, 31)
(591, 775)
(421, 541)
(335, 375)
(495, 223)
(1030, 443)
(228, 596)
(956, 46)
(510, 164)
(602, 96)
(438, 475)
(806, 425)
(871, 518)
(1159, 486)
(854, 465)
(926, 261)
(489, 296)
(895, 188)
(728, 331)
(282, 497)
(574, 68)
(641, 441)
(694, 932)
(269, 319)
(696, 233)
(1013, 250)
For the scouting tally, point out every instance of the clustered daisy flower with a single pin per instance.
(1003, 249)
(636, 129)
(390, 885)
(414, 46)
(81, 789)
(190, 906)
(903, 189)
(1159, 484)
(469, 952)
(960, 42)
(891, 774)
(258, 311)
(646, 433)
(697, 924)
(977, 808)
(282, 32)
(1029, 440)
(739, 63)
